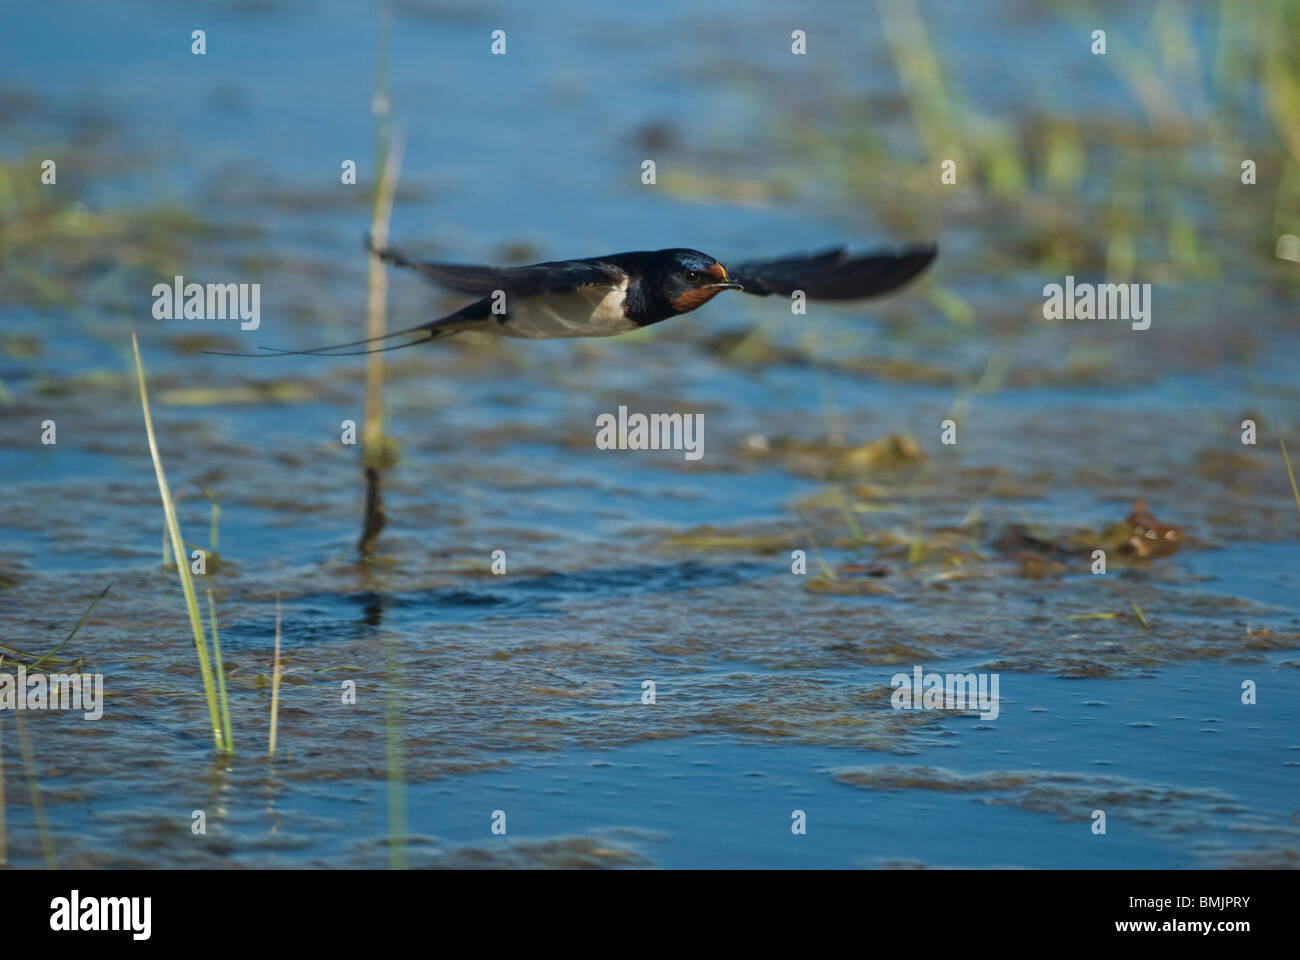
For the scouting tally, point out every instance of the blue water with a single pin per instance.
(520, 692)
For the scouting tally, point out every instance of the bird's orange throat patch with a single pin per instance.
(693, 299)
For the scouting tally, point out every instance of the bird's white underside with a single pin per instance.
(593, 311)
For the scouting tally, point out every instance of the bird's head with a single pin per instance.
(689, 279)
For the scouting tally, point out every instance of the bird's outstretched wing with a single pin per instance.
(560, 276)
(833, 274)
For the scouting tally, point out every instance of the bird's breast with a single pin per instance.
(597, 310)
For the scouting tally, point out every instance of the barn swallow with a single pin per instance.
(606, 296)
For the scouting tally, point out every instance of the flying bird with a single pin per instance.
(606, 296)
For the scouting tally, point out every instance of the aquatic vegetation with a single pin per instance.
(275, 684)
(54, 244)
(4, 838)
(828, 441)
(227, 733)
(1290, 474)
(32, 661)
(890, 451)
(28, 754)
(1064, 795)
(1141, 616)
(180, 555)
(378, 452)
(1138, 536)
(555, 853)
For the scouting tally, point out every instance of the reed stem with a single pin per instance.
(275, 681)
(34, 792)
(388, 162)
(4, 857)
(227, 732)
(178, 552)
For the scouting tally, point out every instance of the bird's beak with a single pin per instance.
(729, 285)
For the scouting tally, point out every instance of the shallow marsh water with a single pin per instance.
(522, 693)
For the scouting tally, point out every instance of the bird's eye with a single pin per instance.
(692, 275)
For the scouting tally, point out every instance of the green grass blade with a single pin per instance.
(83, 619)
(34, 791)
(4, 856)
(1140, 615)
(1289, 472)
(178, 552)
(227, 733)
(275, 681)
